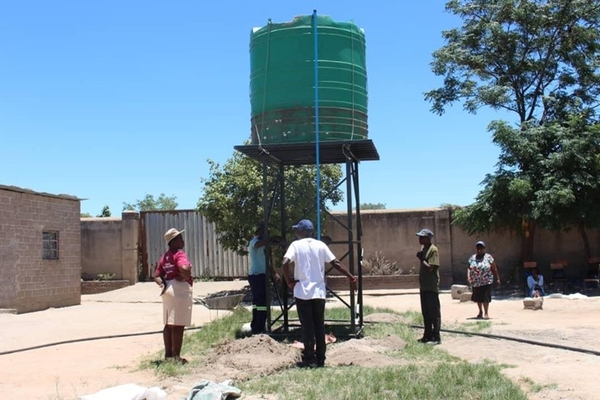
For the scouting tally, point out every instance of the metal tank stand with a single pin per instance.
(349, 153)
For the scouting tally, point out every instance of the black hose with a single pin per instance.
(122, 335)
(485, 335)
(513, 339)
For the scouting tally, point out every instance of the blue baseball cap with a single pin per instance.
(303, 225)
(425, 232)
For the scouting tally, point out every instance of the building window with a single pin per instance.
(50, 245)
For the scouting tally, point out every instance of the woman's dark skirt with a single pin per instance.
(482, 294)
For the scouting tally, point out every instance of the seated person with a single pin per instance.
(535, 283)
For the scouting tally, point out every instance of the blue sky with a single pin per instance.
(112, 100)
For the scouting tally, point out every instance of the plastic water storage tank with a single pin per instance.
(282, 95)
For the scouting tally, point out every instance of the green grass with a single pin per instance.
(475, 327)
(424, 372)
(458, 380)
(536, 387)
(199, 342)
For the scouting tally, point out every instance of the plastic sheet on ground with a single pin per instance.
(129, 391)
(208, 390)
(574, 296)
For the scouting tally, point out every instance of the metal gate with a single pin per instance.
(208, 258)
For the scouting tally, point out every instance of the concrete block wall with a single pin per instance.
(28, 282)
(392, 232)
(101, 247)
(111, 246)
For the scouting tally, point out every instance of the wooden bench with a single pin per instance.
(558, 270)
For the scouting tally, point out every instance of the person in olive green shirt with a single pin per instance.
(429, 287)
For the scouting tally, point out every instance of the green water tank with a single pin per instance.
(282, 81)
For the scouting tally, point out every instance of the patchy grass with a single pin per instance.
(536, 387)
(431, 373)
(415, 381)
(480, 326)
(199, 342)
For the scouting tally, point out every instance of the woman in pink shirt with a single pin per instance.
(174, 275)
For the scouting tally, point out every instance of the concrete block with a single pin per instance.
(533, 303)
(458, 290)
(466, 296)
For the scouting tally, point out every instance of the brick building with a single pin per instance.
(40, 250)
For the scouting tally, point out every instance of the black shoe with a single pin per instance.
(423, 340)
(303, 364)
(435, 341)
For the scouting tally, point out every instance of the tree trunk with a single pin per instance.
(586, 240)
(528, 236)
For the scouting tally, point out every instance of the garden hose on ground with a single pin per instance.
(485, 335)
(41, 346)
(519, 340)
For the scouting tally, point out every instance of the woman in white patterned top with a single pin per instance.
(481, 273)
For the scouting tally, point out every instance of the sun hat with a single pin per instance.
(172, 234)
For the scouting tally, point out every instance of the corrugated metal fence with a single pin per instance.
(202, 246)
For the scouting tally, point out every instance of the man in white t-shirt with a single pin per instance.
(309, 256)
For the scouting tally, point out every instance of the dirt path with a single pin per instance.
(67, 371)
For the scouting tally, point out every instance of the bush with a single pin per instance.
(379, 265)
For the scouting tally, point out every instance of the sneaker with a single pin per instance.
(434, 342)
(423, 340)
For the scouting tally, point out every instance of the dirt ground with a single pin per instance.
(74, 368)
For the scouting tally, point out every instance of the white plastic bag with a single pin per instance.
(129, 391)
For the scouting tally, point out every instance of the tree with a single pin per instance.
(149, 203)
(233, 196)
(85, 215)
(539, 60)
(105, 212)
(559, 189)
(535, 58)
(372, 206)
(570, 189)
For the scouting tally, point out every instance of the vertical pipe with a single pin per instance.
(359, 247)
(283, 234)
(317, 165)
(265, 204)
(351, 247)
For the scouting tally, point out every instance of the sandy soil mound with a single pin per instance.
(249, 357)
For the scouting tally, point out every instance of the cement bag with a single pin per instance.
(129, 391)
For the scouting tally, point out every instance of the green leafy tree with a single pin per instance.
(559, 189)
(233, 197)
(149, 203)
(539, 60)
(569, 193)
(372, 206)
(449, 206)
(85, 215)
(105, 212)
(535, 58)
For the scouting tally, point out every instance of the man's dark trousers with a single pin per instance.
(430, 308)
(312, 318)
(258, 286)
